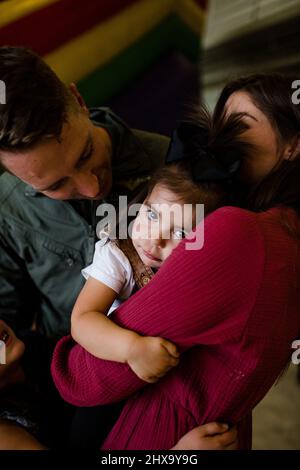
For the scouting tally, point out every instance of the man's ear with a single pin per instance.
(293, 149)
(74, 90)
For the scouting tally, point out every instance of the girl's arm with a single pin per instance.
(148, 357)
(201, 296)
(93, 330)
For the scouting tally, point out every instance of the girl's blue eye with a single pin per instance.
(179, 234)
(151, 215)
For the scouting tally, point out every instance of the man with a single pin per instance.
(61, 162)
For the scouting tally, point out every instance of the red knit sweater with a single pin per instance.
(233, 309)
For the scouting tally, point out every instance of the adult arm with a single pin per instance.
(190, 301)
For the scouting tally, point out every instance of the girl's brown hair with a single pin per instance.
(179, 181)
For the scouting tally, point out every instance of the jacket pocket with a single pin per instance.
(66, 254)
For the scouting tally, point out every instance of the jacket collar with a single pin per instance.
(30, 191)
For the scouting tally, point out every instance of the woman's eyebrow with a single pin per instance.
(250, 116)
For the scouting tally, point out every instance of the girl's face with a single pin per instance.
(261, 134)
(14, 350)
(159, 227)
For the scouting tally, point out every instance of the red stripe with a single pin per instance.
(46, 29)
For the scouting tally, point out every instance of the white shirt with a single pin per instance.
(111, 267)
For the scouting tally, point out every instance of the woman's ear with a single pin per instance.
(293, 149)
(74, 90)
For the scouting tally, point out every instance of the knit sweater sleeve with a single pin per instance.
(201, 296)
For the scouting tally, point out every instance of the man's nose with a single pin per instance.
(87, 184)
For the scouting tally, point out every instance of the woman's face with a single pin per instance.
(14, 350)
(260, 133)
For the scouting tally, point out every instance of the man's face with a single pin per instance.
(77, 167)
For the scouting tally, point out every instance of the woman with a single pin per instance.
(232, 308)
(30, 407)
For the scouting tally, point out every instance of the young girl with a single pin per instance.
(113, 274)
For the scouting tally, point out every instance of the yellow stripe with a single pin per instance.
(81, 56)
(12, 10)
(191, 13)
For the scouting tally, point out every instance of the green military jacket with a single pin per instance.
(44, 243)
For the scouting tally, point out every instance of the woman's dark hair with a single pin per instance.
(37, 102)
(272, 94)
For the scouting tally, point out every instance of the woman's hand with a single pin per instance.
(211, 436)
(151, 358)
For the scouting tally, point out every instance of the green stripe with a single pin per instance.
(185, 40)
(110, 79)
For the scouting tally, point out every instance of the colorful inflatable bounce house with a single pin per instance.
(138, 56)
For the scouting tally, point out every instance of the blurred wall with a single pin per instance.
(140, 56)
(245, 36)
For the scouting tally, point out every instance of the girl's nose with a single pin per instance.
(161, 240)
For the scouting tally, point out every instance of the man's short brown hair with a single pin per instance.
(37, 101)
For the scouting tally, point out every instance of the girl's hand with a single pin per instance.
(211, 436)
(151, 358)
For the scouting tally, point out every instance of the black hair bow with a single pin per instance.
(190, 145)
